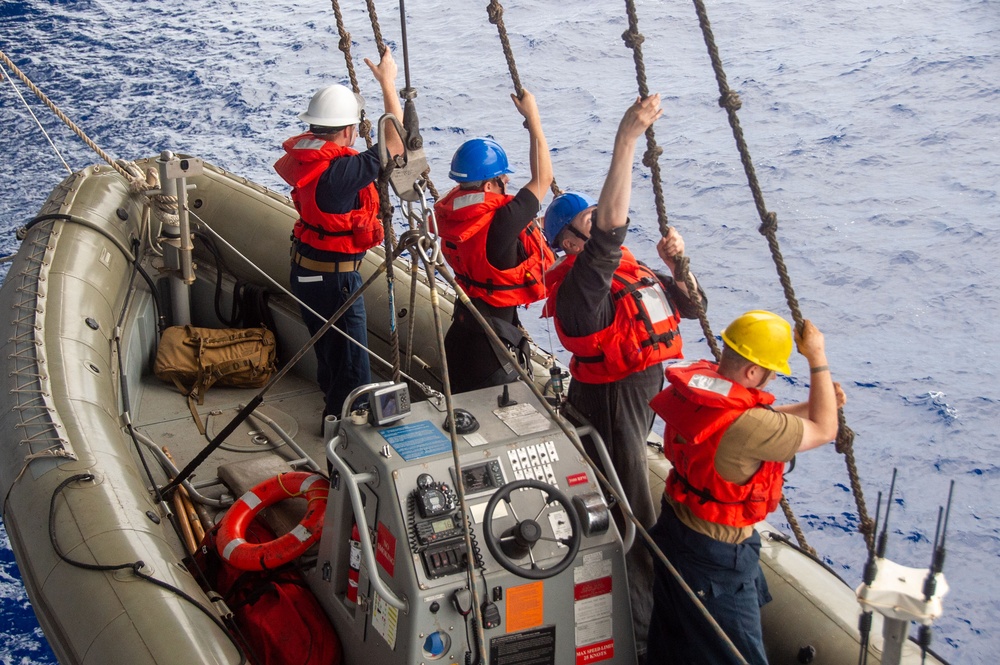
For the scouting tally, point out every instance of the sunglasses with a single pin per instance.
(575, 231)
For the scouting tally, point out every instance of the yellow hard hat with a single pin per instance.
(763, 338)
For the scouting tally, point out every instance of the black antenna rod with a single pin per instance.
(865, 620)
(884, 536)
(930, 583)
(930, 586)
(937, 564)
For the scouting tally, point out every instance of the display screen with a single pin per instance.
(442, 525)
(388, 404)
(477, 478)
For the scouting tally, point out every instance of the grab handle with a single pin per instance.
(612, 474)
(352, 481)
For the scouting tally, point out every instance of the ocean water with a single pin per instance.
(874, 131)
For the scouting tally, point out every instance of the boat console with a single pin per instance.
(547, 560)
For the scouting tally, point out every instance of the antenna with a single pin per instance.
(871, 568)
(884, 536)
(937, 565)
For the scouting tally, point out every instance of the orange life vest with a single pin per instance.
(643, 332)
(306, 158)
(698, 406)
(463, 218)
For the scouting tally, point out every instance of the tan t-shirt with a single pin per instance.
(757, 435)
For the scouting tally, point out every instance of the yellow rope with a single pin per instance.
(285, 489)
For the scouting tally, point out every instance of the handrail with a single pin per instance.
(352, 481)
(613, 479)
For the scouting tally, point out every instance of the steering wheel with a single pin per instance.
(518, 541)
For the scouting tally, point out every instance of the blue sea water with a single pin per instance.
(875, 133)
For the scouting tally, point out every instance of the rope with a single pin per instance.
(845, 446)
(385, 206)
(62, 116)
(495, 12)
(37, 121)
(793, 522)
(651, 159)
(385, 211)
(376, 27)
(730, 101)
(345, 46)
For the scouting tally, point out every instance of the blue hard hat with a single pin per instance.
(561, 212)
(478, 159)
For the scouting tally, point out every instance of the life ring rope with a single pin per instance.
(232, 543)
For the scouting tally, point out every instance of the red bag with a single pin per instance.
(280, 621)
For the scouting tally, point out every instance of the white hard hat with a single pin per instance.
(334, 106)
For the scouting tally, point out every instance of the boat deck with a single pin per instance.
(294, 404)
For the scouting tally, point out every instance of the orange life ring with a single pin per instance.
(231, 542)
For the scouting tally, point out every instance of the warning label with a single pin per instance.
(525, 606)
(592, 611)
(598, 587)
(385, 620)
(530, 647)
(385, 549)
(593, 653)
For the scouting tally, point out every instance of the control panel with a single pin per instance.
(436, 528)
(547, 588)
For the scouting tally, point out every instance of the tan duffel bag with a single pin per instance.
(195, 359)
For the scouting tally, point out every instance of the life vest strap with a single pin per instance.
(666, 338)
(599, 358)
(702, 494)
(490, 287)
(630, 288)
(323, 233)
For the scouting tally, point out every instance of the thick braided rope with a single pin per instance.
(62, 116)
(345, 46)
(793, 522)
(730, 101)
(495, 12)
(651, 159)
(385, 212)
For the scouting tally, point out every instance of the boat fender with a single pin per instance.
(232, 544)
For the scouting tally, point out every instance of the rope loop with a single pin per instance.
(495, 12)
(345, 43)
(769, 225)
(730, 100)
(633, 39)
(651, 157)
(845, 440)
